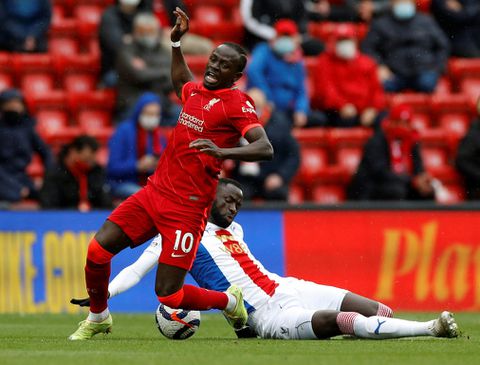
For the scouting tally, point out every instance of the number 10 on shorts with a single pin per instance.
(183, 241)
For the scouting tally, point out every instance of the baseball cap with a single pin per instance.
(286, 27)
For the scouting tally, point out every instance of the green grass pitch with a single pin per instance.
(42, 340)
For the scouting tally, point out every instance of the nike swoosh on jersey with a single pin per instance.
(176, 255)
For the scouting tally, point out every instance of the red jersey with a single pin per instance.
(186, 175)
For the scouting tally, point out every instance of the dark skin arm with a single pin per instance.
(259, 147)
(180, 72)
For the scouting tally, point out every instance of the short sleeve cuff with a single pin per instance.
(248, 127)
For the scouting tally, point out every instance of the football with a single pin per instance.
(177, 324)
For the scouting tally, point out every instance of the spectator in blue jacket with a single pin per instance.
(135, 147)
(24, 25)
(277, 68)
(18, 143)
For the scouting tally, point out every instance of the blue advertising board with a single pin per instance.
(43, 257)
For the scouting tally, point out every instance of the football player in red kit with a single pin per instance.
(177, 197)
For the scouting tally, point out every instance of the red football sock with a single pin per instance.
(195, 298)
(97, 273)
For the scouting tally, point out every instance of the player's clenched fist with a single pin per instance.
(208, 147)
(181, 25)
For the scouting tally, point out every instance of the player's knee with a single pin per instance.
(165, 289)
(98, 254)
(324, 324)
(172, 300)
(384, 311)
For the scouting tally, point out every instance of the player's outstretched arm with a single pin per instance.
(180, 72)
(258, 149)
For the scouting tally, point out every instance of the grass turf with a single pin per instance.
(41, 339)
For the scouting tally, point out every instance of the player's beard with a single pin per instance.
(217, 218)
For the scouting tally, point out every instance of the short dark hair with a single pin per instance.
(224, 181)
(80, 142)
(242, 54)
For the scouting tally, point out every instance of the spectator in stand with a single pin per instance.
(277, 68)
(77, 182)
(135, 147)
(270, 180)
(115, 29)
(259, 17)
(346, 83)
(410, 48)
(392, 167)
(192, 44)
(144, 65)
(460, 20)
(347, 11)
(18, 143)
(24, 25)
(468, 158)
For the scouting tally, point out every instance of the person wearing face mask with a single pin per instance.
(116, 28)
(135, 147)
(143, 65)
(391, 167)
(468, 158)
(78, 181)
(18, 143)
(277, 68)
(409, 47)
(345, 83)
(270, 180)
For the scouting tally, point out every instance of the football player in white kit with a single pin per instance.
(278, 307)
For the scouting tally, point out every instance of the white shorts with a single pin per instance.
(288, 314)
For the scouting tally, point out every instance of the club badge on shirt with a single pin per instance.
(210, 104)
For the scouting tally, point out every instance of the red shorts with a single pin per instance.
(147, 213)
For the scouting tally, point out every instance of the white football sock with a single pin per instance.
(98, 317)
(383, 327)
(232, 302)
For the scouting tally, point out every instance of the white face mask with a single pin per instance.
(346, 49)
(149, 122)
(404, 10)
(130, 2)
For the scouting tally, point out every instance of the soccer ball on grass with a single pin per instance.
(177, 324)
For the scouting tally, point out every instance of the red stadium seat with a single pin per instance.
(59, 46)
(349, 158)
(328, 194)
(53, 100)
(55, 130)
(5, 62)
(313, 161)
(424, 5)
(6, 81)
(348, 136)
(37, 83)
(98, 100)
(35, 168)
(471, 87)
(444, 87)
(52, 119)
(79, 83)
(434, 158)
(88, 13)
(434, 137)
(296, 194)
(421, 121)
(311, 136)
(208, 14)
(455, 123)
(92, 120)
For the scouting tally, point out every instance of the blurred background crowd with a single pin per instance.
(373, 100)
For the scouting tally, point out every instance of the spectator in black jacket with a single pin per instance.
(270, 179)
(460, 20)
(468, 159)
(24, 25)
(116, 27)
(391, 166)
(409, 47)
(18, 143)
(259, 16)
(77, 181)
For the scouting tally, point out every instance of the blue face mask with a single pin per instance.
(284, 45)
(404, 10)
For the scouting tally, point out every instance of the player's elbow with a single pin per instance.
(268, 151)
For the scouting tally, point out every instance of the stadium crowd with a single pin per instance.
(361, 99)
